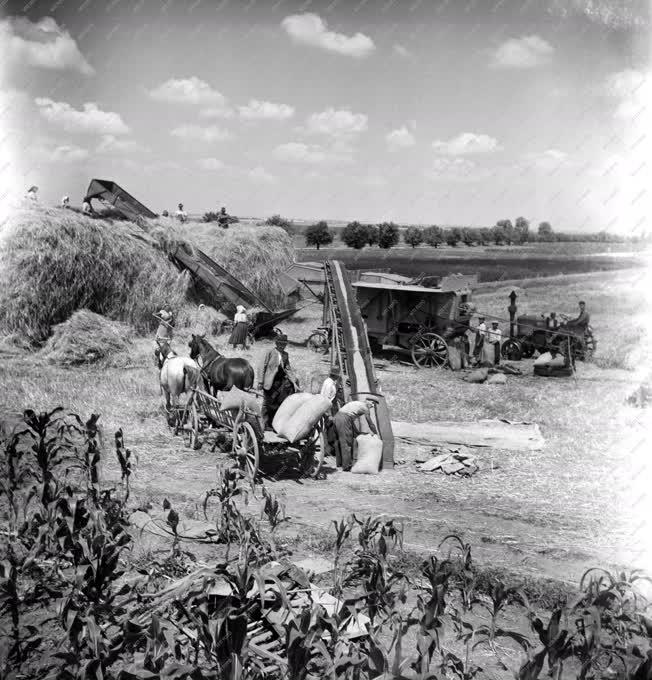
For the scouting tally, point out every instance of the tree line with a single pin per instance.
(388, 234)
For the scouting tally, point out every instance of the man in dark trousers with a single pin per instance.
(276, 379)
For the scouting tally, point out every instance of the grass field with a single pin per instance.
(549, 514)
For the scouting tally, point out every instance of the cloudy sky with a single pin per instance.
(424, 111)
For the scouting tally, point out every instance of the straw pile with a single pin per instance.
(54, 262)
(88, 338)
(255, 255)
(200, 322)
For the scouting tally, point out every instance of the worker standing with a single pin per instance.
(332, 390)
(276, 379)
(494, 337)
(480, 332)
(223, 218)
(345, 422)
(164, 334)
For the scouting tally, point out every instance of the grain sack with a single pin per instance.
(287, 409)
(546, 359)
(487, 355)
(370, 453)
(477, 376)
(454, 358)
(303, 420)
(497, 379)
(234, 397)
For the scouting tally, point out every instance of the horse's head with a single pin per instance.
(195, 348)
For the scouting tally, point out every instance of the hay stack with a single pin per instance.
(54, 262)
(255, 255)
(209, 321)
(88, 338)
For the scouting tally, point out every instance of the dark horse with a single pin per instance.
(220, 373)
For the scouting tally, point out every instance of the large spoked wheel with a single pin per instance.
(312, 454)
(561, 343)
(511, 350)
(318, 342)
(246, 450)
(429, 351)
(190, 427)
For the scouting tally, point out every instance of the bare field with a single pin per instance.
(550, 513)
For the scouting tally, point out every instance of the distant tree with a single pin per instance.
(484, 236)
(318, 235)
(433, 236)
(355, 235)
(388, 235)
(469, 236)
(284, 223)
(453, 236)
(507, 229)
(545, 232)
(498, 234)
(373, 234)
(521, 230)
(413, 236)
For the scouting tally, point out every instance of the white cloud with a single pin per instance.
(90, 120)
(43, 44)
(191, 90)
(339, 123)
(223, 111)
(210, 164)
(400, 138)
(454, 169)
(401, 50)
(260, 175)
(64, 153)
(311, 29)
(550, 159)
(111, 144)
(298, 152)
(633, 91)
(526, 52)
(466, 143)
(261, 110)
(208, 134)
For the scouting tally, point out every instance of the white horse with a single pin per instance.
(178, 375)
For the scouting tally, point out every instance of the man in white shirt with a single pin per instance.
(494, 337)
(181, 214)
(345, 427)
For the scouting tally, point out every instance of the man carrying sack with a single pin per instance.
(345, 423)
(276, 379)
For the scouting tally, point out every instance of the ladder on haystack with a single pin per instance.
(350, 350)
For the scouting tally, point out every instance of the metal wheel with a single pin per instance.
(511, 350)
(429, 351)
(561, 344)
(318, 342)
(190, 427)
(246, 450)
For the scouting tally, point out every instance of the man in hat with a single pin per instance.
(276, 379)
(332, 390)
(480, 332)
(582, 321)
(494, 337)
(164, 334)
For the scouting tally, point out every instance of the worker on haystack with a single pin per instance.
(223, 218)
(276, 379)
(164, 334)
(181, 214)
(480, 332)
(65, 202)
(240, 328)
(87, 208)
(345, 423)
(32, 193)
(494, 338)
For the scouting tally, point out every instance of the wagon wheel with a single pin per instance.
(429, 351)
(190, 427)
(318, 342)
(312, 454)
(511, 350)
(245, 450)
(560, 343)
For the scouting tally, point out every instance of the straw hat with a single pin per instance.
(164, 315)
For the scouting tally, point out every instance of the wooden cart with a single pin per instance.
(239, 433)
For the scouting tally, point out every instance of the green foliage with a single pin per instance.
(413, 236)
(521, 230)
(453, 236)
(388, 235)
(545, 232)
(433, 235)
(373, 234)
(277, 221)
(318, 235)
(355, 235)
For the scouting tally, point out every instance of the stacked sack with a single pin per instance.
(298, 415)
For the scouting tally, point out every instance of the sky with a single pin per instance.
(451, 112)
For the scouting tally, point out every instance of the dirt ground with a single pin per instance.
(582, 501)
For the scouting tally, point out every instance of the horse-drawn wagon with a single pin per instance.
(237, 430)
(421, 315)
